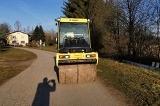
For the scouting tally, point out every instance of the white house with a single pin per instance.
(17, 38)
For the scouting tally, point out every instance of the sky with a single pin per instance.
(31, 13)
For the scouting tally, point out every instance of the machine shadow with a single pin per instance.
(42, 96)
(56, 69)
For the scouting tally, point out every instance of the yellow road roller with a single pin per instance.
(76, 60)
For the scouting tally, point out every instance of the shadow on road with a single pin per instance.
(42, 95)
(56, 69)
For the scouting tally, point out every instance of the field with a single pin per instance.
(139, 84)
(13, 61)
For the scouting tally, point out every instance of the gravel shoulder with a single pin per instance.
(38, 86)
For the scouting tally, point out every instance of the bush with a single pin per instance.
(33, 44)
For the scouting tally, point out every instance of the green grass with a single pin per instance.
(13, 61)
(11, 54)
(139, 84)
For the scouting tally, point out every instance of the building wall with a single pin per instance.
(17, 38)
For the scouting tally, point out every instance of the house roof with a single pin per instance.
(15, 32)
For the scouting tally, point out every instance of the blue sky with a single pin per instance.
(31, 12)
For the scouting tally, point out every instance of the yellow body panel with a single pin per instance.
(76, 56)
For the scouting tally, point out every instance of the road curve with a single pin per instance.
(35, 87)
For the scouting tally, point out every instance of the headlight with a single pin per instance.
(90, 55)
(64, 56)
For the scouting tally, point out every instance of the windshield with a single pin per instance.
(74, 35)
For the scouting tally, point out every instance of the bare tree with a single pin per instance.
(18, 26)
(28, 29)
(50, 37)
(156, 21)
(136, 13)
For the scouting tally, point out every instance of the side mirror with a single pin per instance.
(57, 40)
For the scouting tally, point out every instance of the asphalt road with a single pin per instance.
(38, 86)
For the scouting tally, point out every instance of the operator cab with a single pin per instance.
(74, 37)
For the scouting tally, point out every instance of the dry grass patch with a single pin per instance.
(13, 61)
(141, 85)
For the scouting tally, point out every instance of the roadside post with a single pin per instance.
(40, 43)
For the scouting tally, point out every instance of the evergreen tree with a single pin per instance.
(38, 34)
(42, 34)
(4, 28)
(35, 35)
(97, 13)
(94, 10)
(75, 8)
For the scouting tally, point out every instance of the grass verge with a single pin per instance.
(139, 84)
(13, 61)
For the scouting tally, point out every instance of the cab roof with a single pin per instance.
(81, 20)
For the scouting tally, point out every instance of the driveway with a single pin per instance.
(38, 86)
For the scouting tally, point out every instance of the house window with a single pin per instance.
(22, 42)
(14, 37)
(13, 41)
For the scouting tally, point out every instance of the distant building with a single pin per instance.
(17, 38)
